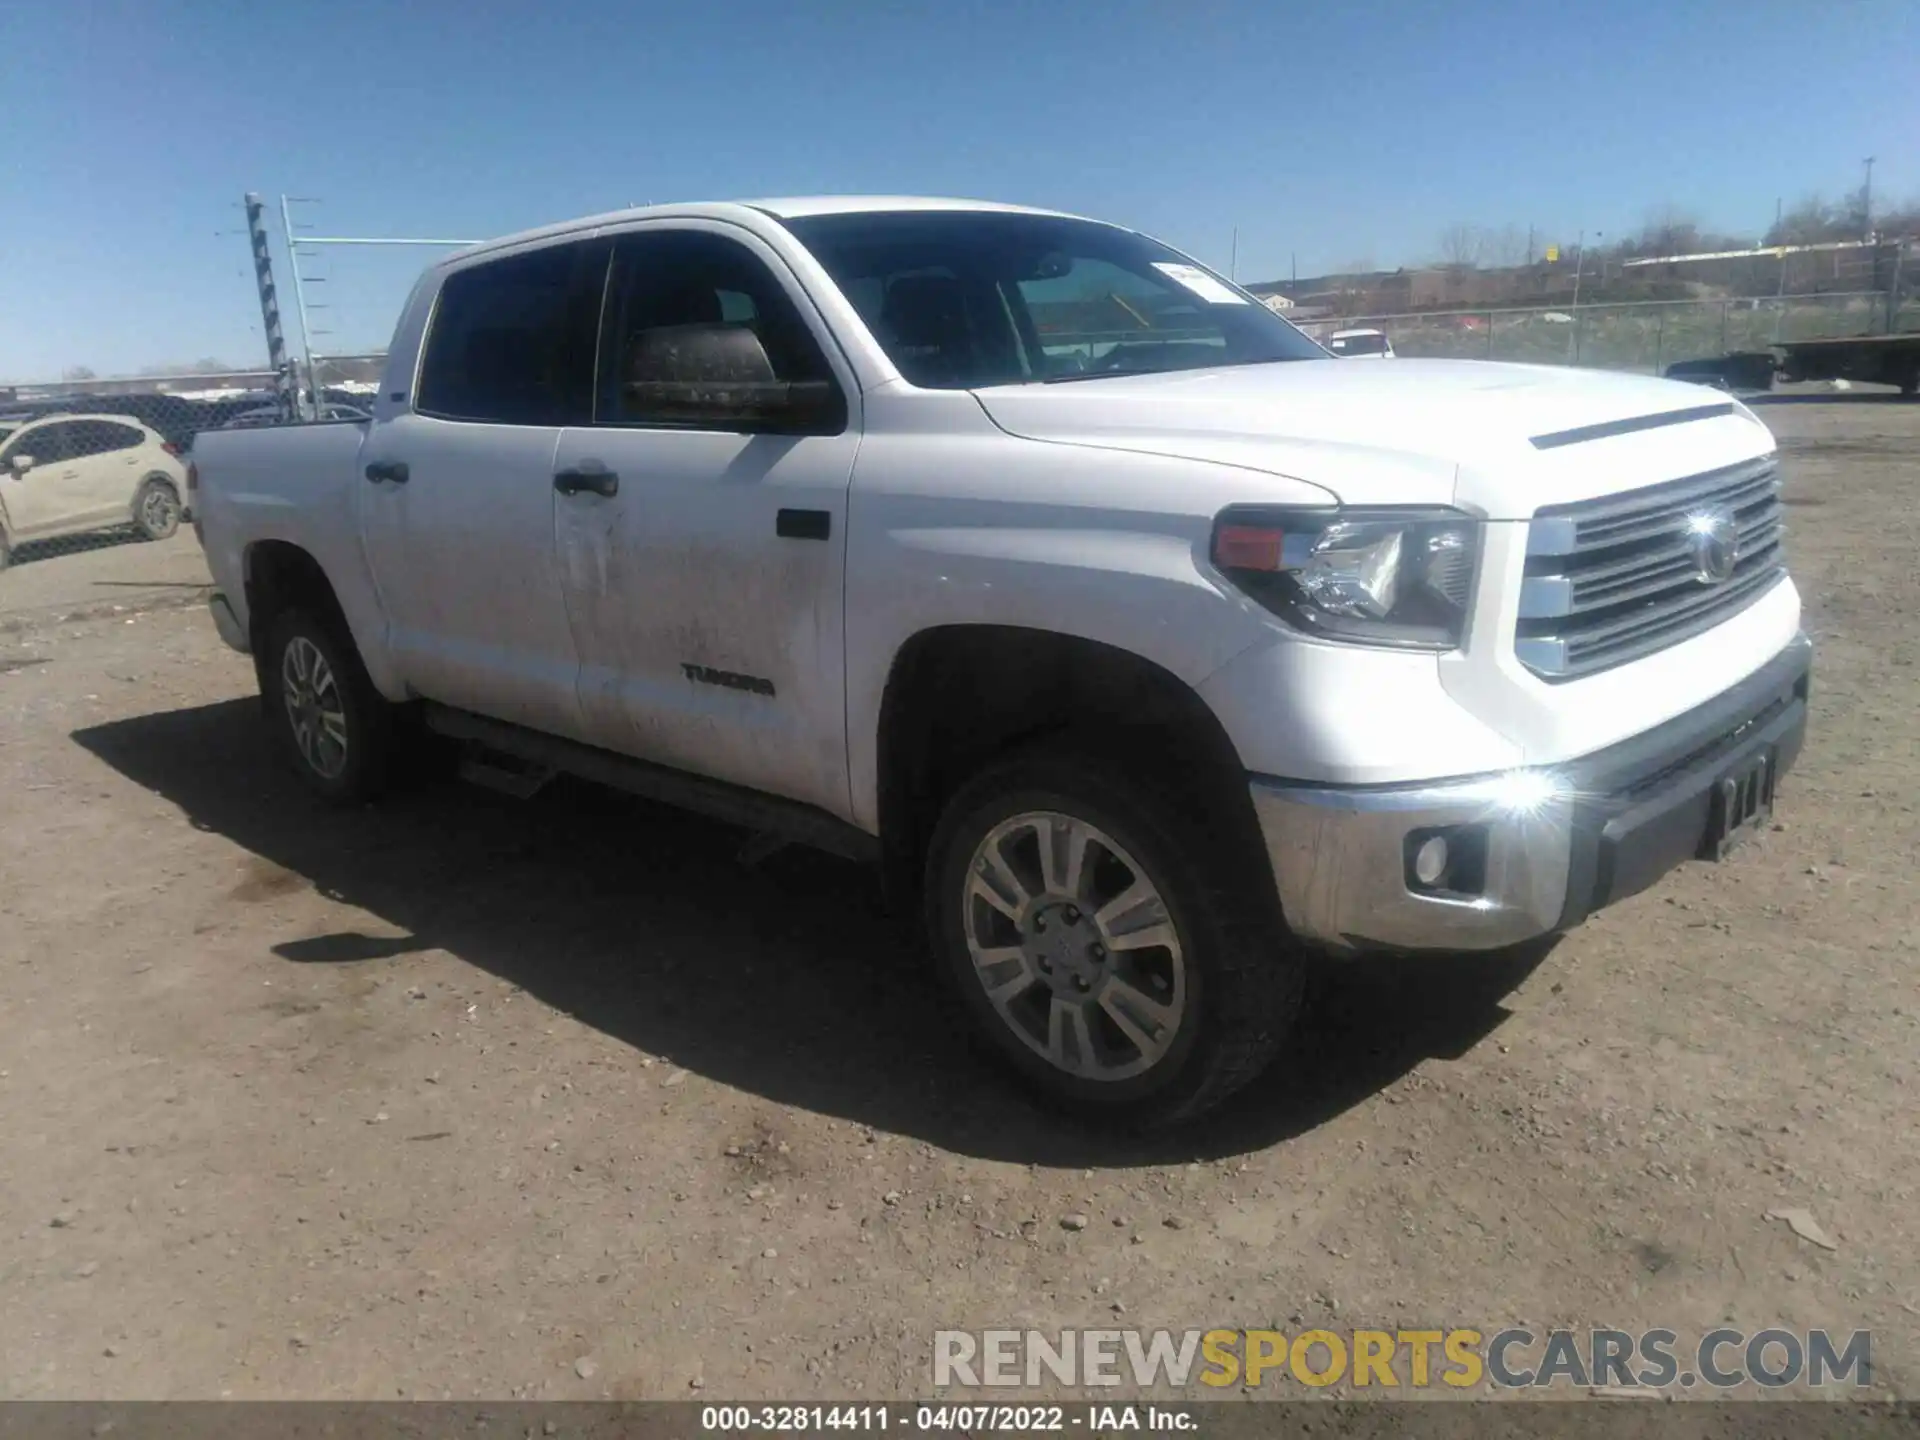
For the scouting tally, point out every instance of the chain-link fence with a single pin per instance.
(94, 501)
(1644, 336)
(95, 505)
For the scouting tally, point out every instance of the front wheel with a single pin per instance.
(334, 728)
(1104, 943)
(156, 509)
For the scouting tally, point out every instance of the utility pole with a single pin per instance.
(300, 304)
(1866, 202)
(1893, 290)
(283, 380)
(1579, 265)
(1233, 261)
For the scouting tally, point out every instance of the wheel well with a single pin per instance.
(959, 696)
(281, 576)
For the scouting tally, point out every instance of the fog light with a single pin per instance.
(1430, 860)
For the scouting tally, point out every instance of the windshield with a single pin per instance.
(1373, 344)
(967, 298)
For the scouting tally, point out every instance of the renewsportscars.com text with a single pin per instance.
(1513, 1358)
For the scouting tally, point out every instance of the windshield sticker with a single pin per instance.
(1200, 283)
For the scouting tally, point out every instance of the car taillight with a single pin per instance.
(172, 449)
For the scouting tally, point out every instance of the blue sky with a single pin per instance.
(1334, 132)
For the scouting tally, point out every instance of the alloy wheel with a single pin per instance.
(1074, 946)
(315, 710)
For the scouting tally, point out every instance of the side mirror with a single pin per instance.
(20, 464)
(719, 374)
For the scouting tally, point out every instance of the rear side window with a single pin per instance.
(99, 437)
(512, 340)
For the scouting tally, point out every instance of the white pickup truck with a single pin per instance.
(1139, 639)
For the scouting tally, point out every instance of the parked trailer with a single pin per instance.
(1874, 359)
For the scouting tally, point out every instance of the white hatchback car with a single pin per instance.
(1361, 344)
(70, 474)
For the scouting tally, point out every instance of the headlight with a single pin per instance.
(1402, 578)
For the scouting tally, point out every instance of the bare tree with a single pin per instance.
(1504, 248)
(1461, 246)
(1858, 219)
(1809, 221)
(77, 372)
(1668, 230)
(1899, 220)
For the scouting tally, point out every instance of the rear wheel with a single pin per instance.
(156, 509)
(334, 728)
(1104, 944)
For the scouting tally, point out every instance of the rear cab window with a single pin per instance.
(511, 341)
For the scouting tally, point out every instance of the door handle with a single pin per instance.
(589, 476)
(394, 470)
(803, 524)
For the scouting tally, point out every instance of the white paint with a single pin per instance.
(1081, 510)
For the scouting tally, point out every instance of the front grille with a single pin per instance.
(1610, 580)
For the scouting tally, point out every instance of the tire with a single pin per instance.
(338, 733)
(6, 551)
(1225, 989)
(156, 508)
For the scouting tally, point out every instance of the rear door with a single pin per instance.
(457, 491)
(108, 467)
(705, 590)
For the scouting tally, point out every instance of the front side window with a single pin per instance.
(45, 443)
(669, 284)
(511, 341)
(960, 299)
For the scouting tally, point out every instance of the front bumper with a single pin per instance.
(1534, 851)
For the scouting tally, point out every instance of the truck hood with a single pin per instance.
(1497, 439)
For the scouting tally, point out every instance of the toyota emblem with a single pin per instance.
(1713, 544)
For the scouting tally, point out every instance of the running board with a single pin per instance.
(504, 773)
(768, 815)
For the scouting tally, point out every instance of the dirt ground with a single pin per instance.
(472, 1097)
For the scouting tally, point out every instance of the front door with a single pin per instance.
(34, 498)
(704, 563)
(456, 490)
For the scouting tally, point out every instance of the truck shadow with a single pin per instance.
(786, 980)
